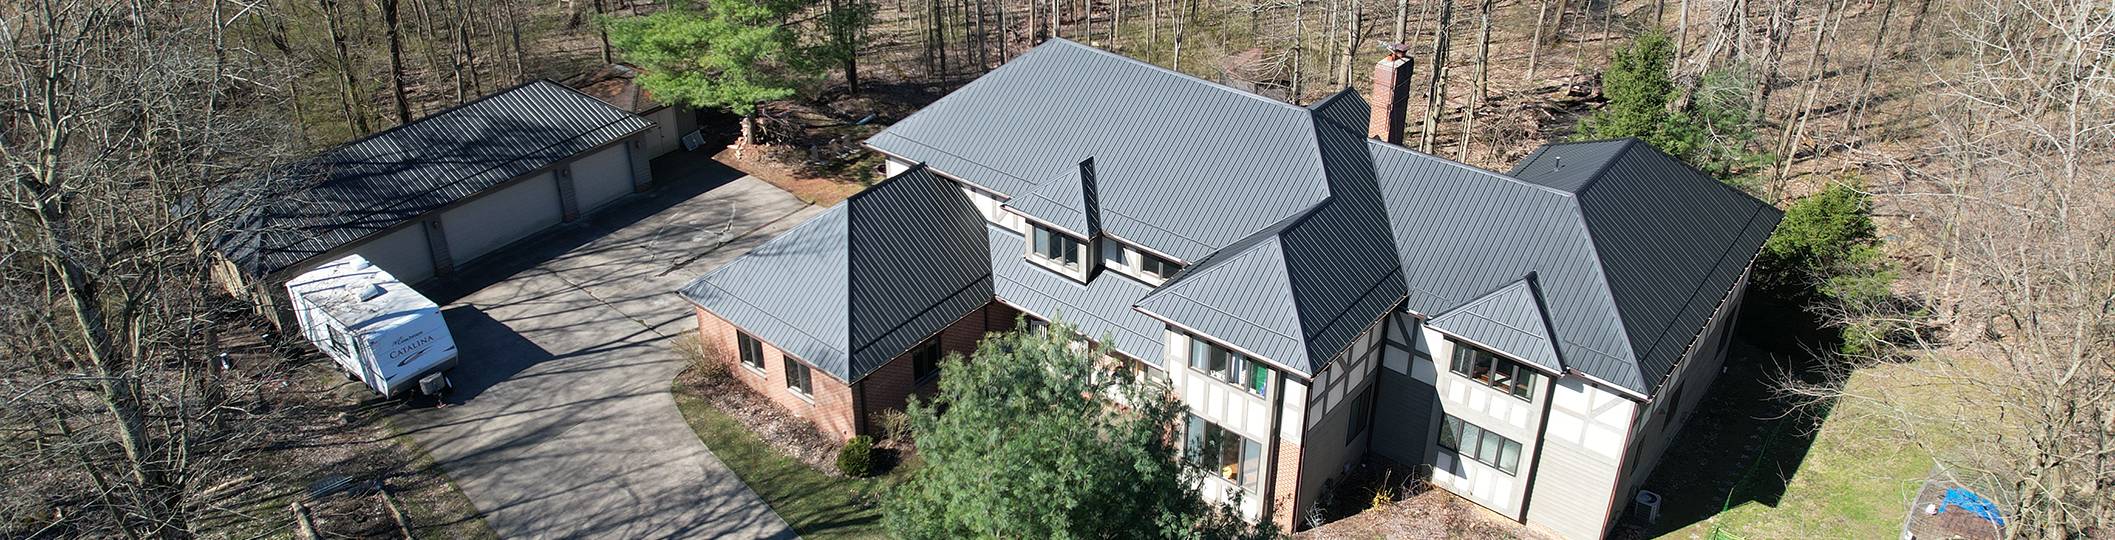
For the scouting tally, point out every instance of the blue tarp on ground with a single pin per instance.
(1973, 503)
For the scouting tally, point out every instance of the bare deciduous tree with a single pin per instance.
(2012, 208)
(116, 142)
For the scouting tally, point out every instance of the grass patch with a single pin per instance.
(816, 505)
(1747, 468)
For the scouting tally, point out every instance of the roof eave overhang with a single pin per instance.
(1302, 373)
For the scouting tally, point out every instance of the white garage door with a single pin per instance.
(602, 177)
(495, 219)
(403, 253)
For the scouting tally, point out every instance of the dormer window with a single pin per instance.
(1156, 266)
(1057, 248)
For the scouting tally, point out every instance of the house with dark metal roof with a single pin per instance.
(1315, 293)
(426, 198)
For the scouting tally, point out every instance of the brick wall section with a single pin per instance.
(1285, 489)
(830, 407)
(890, 387)
(833, 408)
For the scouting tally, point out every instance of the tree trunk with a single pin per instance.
(396, 61)
(349, 91)
(466, 82)
(1402, 16)
(1299, 30)
(1483, 79)
(1436, 88)
(1796, 127)
(1681, 42)
(513, 19)
(1608, 37)
(845, 49)
(434, 42)
(278, 39)
(1351, 40)
(1153, 29)
(1781, 14)
(1851, 122)
(1176, 62)
(1329, 42)
(1116, 27)
(1542, 13)
(608, 56)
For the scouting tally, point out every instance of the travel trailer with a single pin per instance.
(377, 329)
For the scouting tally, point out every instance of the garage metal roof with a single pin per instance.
(853, 287)
(369, 185)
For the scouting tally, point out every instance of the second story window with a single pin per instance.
(1156, 266)
(1057, 247)
(1505, 375)
(1229, 367)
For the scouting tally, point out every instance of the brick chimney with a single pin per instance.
(1391, 95)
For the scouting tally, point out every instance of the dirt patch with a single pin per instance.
(331, 445)
(287, 429)
(793, 436)
(761, 164)
(1426, 513)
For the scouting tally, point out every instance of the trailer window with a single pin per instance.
(339, 342)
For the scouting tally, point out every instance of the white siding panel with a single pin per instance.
(602, 177)
(403, 253)
(1295, 394)
(493, 220)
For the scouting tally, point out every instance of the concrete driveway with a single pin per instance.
(563, 425)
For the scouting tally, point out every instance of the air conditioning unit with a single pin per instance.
(1646, 505)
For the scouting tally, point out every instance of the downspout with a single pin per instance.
(1270, 479)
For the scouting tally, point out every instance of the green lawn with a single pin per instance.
(1745, 468)
(817, 505)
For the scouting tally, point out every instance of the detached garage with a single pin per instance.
(427, 198)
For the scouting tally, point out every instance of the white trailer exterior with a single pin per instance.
(374, 326)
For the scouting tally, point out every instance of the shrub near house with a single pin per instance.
(1031, 413)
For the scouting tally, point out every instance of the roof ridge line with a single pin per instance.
(1478, 170)
(449, 109)
(1236, 91)
(1600, 275)
(1628, 143)
(459, 180)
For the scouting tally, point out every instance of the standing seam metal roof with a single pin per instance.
(1301, 231)
(366, 186)
(850, 289)
(1174, 174)
(1509, 320)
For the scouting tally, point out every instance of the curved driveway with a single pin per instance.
(563, 425)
